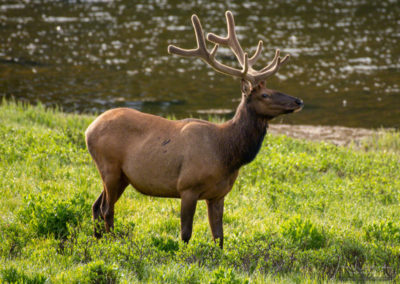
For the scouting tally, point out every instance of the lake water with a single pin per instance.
(92, 55)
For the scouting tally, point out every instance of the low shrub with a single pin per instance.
(203, 253)
(383, 231)
(177, 274)
(12, 239)
(165, 244)
(303, 233)
(14, 275)
(263, 253)
(45, 214)
(354, 258)
(97, 272)
(226, 276)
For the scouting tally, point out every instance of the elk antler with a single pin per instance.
(247, 72)
(209, 57)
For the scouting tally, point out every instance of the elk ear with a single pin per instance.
(246, 87)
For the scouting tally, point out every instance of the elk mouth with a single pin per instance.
(286, 104)
(299, 105)
(292, 109)
(299, 108)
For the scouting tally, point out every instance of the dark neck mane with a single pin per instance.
(243, 138)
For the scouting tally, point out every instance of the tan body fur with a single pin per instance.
(153, 166)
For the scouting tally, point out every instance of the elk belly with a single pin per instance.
(154, 170)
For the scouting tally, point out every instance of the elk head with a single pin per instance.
(264, 102)
(268, 103)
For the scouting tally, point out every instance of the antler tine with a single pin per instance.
(273, 62)
(257, 54)
(201, 43)
(172, 49)
(285, 60)
(202, 52)
(246, 64)
(214, 51)
(274, 67)
(263, 75)
(230, 40)
(201, 49)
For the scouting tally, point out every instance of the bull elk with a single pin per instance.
(190, 159)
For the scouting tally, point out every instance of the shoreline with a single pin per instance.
(337, 135)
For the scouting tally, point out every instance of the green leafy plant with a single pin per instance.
(226, 276)
(303, 233)
(14, 275)
(46, 214)
(165, 244)
(96, 272)
(387, 231)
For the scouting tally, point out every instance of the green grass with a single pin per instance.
(301, 212)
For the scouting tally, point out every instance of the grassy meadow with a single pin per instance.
(301, 212)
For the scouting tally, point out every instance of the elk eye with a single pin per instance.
(264, 96)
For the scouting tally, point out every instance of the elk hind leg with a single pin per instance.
(115, 183)
(97, 217)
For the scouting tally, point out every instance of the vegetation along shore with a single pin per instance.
(302, 211)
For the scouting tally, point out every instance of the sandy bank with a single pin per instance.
(337, 135)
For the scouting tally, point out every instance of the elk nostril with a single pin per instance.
(299, 102)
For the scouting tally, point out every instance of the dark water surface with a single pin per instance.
(92, 55)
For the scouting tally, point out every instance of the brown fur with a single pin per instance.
(189, 159)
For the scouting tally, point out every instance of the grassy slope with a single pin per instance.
(301, 210)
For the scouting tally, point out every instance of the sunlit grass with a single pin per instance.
(383, 140)
(301, 212)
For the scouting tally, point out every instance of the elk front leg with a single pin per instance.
(215, 213)
(188, 208)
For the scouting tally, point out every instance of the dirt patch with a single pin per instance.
(337, 135)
